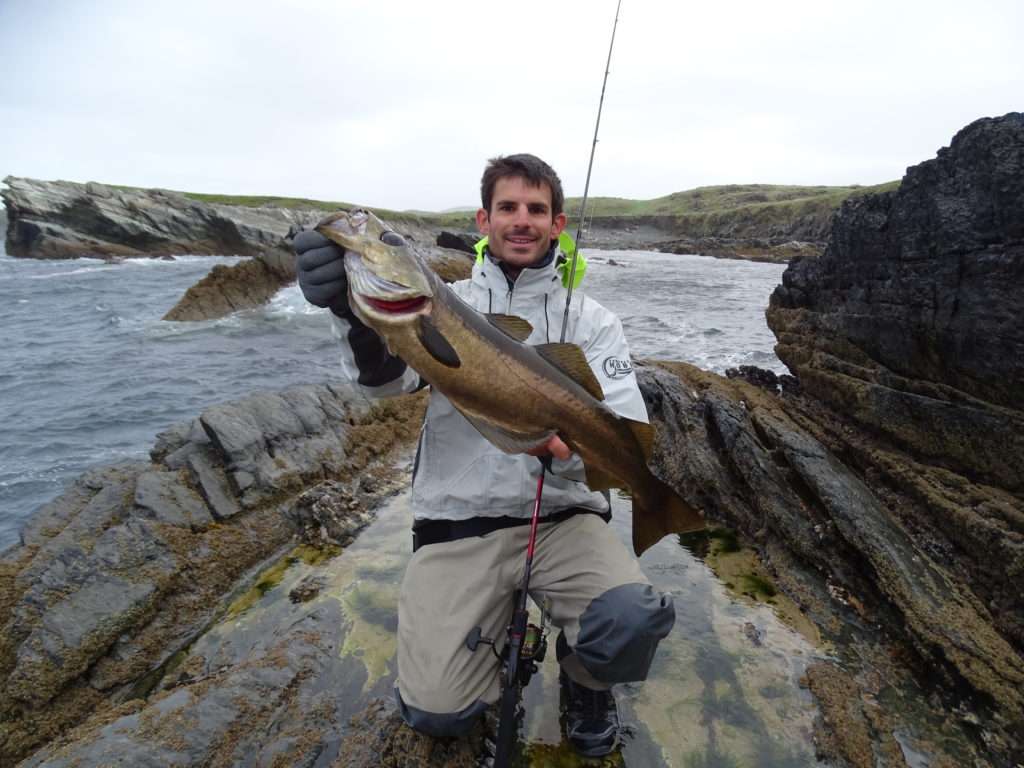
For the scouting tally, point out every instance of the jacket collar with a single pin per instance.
(538, 279)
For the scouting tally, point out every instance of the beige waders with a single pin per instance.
(610, 617)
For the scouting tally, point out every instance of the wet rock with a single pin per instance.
(459, 241)
(760, 377)
(328, 513)
(227, 289)
(125, 568)
(273, 442)
(306, 589)
(773, 468)
(283, 704)
(211, 480)
(753, 634)
(163, 496)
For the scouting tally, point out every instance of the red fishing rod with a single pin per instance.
(525, 646)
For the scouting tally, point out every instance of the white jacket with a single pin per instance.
(458, 474)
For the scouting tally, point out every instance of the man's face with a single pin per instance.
(520, 225)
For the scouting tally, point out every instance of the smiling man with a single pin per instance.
(472, 502)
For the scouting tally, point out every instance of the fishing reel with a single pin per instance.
(532, 650)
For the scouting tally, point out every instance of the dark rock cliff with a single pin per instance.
(911, 320)
(894, 468)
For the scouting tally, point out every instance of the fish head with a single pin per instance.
(388, 284)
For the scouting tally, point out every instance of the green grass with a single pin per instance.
(738, 209)
(712, 200)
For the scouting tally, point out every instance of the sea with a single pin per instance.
(89, 373)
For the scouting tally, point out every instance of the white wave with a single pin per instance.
(289, 302)
(82, 271)
(187, 259)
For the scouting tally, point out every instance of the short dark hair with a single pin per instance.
(529, 167)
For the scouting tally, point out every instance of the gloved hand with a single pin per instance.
(320, 264)
(321, 268)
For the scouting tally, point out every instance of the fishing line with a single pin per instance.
(586, 187)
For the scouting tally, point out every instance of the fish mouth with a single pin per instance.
(397, 307)
(385, 297)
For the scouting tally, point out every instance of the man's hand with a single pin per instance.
(320, 265)
(321, 269)
(554, 447)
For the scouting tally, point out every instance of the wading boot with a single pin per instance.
(591, 718)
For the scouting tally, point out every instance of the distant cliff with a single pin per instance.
(63, 220)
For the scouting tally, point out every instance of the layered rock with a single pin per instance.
(62, 219)
(886, 485)
(845, 522)
(911, 320)
(734, 234)
(911, 324)
(130, 563)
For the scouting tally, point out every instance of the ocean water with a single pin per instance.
(89, 373)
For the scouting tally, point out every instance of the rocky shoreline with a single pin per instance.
(880, 484)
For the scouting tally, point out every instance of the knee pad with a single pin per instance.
(620, 630)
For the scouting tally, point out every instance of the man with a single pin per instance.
(472, 503)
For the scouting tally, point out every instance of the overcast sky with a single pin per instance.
(399, 104)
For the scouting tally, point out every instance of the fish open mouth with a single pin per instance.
(379, 293)
(397, 307)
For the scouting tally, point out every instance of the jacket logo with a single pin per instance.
(615, 368)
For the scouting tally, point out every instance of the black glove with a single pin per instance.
(321, 267)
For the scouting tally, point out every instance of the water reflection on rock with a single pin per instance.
(715, 696)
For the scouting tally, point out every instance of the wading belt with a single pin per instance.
(426, 532)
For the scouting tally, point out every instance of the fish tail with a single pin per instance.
(660, 514)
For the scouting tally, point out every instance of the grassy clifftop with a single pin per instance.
(747, 220)
(705, 200)
(759, 202)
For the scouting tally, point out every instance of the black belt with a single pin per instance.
(426, 532)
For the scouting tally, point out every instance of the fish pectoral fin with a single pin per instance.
(513, 325)
(509, 442)
(599, 480)
(570, 360)
(653, 519)
(436, 344)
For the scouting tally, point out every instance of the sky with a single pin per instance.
(400, 104)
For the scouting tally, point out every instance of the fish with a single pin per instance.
(480, 362)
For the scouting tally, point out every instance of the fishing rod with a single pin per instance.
(526, 643)
(586, 187)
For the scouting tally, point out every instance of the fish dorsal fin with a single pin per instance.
(516, 327)
(570, 360)
(644, 434)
